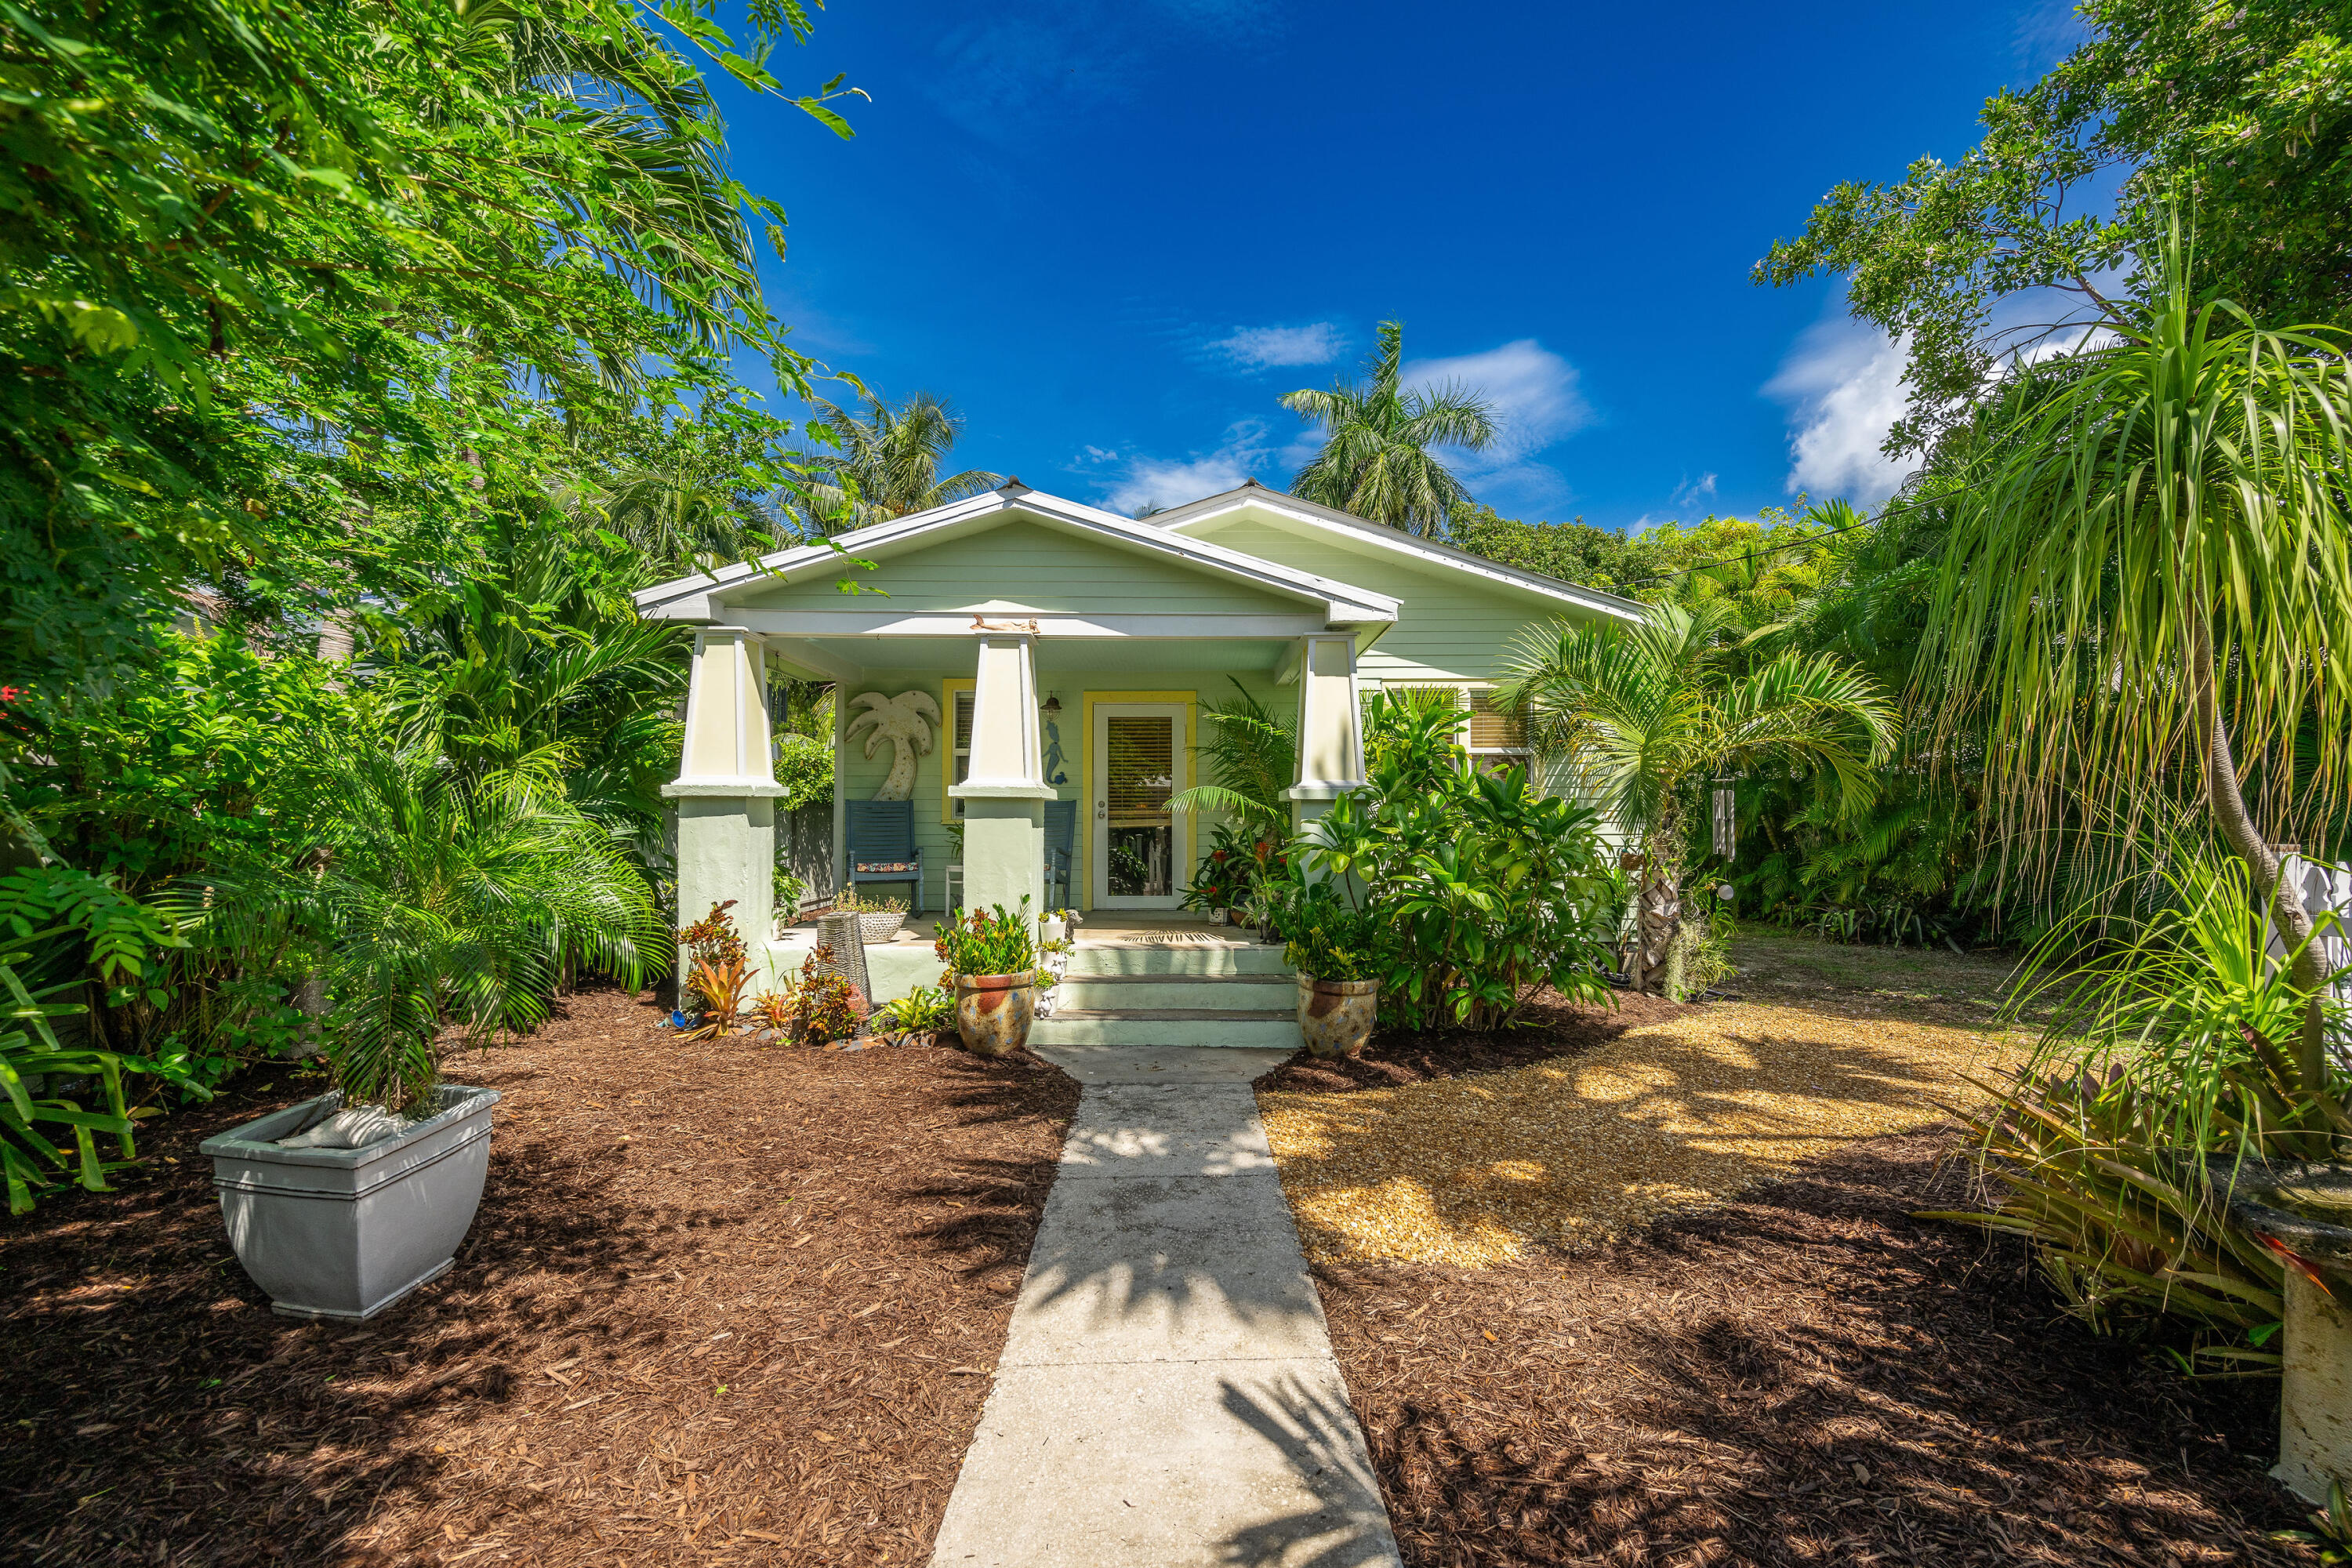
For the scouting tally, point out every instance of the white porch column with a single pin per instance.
(1005, 792)
(1330, 727)
(725, 789)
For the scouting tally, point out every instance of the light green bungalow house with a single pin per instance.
(1066, 651)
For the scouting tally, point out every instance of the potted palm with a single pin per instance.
(1336, 951)
(992, 960)
(434, 900)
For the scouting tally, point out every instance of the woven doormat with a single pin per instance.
(1167, 939)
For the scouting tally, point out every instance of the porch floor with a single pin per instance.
(1109, 927)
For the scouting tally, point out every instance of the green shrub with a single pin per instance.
(1330, 941)
(925, 1010)
(1476, 890)
(39, 906)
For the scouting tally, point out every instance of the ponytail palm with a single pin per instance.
(2148, 573)
(1376, 461)
(1643, 716)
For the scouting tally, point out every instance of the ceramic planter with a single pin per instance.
(1336, 1015)
(993, 1011)
(345, 1233)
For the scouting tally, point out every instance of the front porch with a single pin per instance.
(983, 738)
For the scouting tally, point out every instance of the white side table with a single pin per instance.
(955, 886)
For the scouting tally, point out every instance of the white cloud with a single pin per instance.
(1174, 481)
(1695, 492)
(1259, 348)
(1536, 402)
(1843, 383)
(1533, 391)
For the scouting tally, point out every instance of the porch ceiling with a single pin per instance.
(1067, 661)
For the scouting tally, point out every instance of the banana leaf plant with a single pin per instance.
(49, 1139)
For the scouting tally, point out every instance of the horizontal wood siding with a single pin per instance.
(1449, 625)
(1023, 568)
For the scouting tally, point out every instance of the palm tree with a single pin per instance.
(2148, 574)
(1644, 716)
(1376, 461)
(437, 898)
(886, 464)
(1251, 757)
(906, 721)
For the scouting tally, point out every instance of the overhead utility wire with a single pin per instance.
(1770, 550)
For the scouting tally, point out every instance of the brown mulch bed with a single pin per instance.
(1803, 1377)
(719, 1303)
(1555, 1027)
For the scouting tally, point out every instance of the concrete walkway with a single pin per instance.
(1167, 1398)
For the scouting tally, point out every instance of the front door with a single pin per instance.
(1136, 845)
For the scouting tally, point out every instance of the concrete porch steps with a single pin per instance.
(1173, 994)
(1171, 1026)
(1221, 993)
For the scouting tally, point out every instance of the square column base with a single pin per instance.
(1004, 853)
(727, 849)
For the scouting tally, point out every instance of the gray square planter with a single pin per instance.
(345, 1233)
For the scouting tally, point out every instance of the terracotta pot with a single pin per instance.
(1336, 1015)
(993, 1011)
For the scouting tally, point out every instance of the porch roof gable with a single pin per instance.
(704, 596)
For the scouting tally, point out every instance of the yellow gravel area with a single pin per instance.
(1476, 1171)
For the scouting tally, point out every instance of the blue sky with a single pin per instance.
(1112, 232)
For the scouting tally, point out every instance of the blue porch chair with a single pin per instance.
(1061, 844)
(882, 845)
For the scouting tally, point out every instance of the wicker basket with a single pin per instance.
(880, 925)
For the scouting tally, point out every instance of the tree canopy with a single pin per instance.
(2239, 115)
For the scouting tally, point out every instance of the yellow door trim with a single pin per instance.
(1097, 783)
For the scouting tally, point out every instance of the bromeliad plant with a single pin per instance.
(2166, 1049)
(925, 1010)
(717, 970)
(1476, 890)
(995, 942)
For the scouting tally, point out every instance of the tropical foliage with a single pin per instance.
(886, 463)
(1645, 717)
(989, 942)
(1463, 892)
(1378, 458)
(355, 349)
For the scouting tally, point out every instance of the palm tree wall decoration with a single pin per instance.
(907, 722)
(1376, 461)
(1645, 716)
(887, 463)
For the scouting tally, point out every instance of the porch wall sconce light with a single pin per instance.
(1053, 705)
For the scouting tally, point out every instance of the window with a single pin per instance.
(1498, 737)
(955, 751)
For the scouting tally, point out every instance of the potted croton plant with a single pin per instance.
(1336, 951)
(992, 963)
